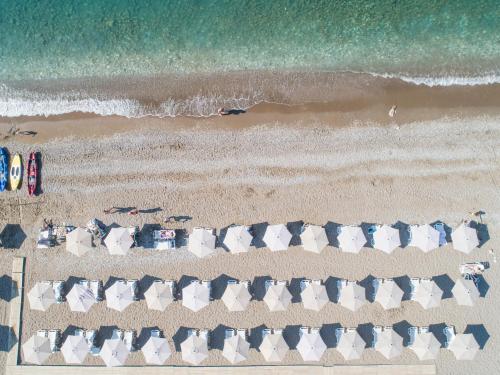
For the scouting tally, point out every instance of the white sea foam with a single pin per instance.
(434, 81)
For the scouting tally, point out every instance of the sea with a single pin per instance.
(137, 58)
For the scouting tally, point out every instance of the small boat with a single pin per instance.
(15, 172)
(32, 174)
(4, 168)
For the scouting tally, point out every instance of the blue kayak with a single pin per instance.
(4, 168)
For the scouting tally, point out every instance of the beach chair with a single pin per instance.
(317, 282)
(58, 287)
(341, 283)
(442, 233)
(117, 334)
(473, 277)
(229, 332)
(129, 339)
(304, 284)
(315, 330)
(338, 333)
(91, 338)
(208, 284)
(471, 268)
(155, 333)
(351, 329)
(192, 332)
(277, 331)
(173, 286)
(371, 231)
(388, 328)
(282, 282)
(246, 283)
(269, 283)
(42, 333)
(266, 331)
(46, 238)
(242, 332)
(414, 283)
(423, 329)
(304, 330)
(412, 333)
(79, 332)
(232, 282)
(205, 334)
(377, 330)
(96, 287)
(134, 285)
(450, 333)
(375, 285)
(339, 229)
(54, 336)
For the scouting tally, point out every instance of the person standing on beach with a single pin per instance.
(392, 111)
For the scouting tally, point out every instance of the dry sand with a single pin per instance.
(276, 172)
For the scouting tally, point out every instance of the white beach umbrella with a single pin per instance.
(428, 294)
(201, 242)
(195, 296)
(425, 346)
(75, 349)
(425, 237)
(351, 239)
(238, 239)
(156, 351)
(273, 348)
(194, 349)
(119, 296)
(351, 345)
(236, 349)
(78, 242)
(464, 239)
(314, 239)
(277, 237)
(159, 296)
(80, 298)
(389, 295)
(464, 346)
(42, 296)
(465, 292)
(314, 297)
(277, 297)
(36, 350)
(386, 239)
(389, 344)
(118, 241)
(311, 346)
(114, 352)
(352, 296)
(236, 297)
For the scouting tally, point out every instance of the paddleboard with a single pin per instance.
(15, 172)
(4, 168)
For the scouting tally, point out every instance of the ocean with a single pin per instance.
(187, 57)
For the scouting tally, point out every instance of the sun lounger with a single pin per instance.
(388, 328)
(96, 287)
(282, 282)
(450, 333)
(129, 338)
(232, 282)
(58, 287)
(42, 333)
(54, 336)
(46, 239)
(192, 332)
(173, 286)
(229, 332)
(442, 233)
(375, 285)
(412, 333)
(155, 333)
(409, 229)
(266, 331)
(242, 332)
(304, 330)
(208, 284)
(471, 268)
(314, 330)
(246, 283)
(117, 334)
(134, 233)
(423, 330)
(377, 330)
(414, 283)
(317, 282)
(304, 284)
(269, 283)
(338, 333)
(79, 332)
(96, 229)
(278, 331)
(164, 239)
(134, 285)
(205, 334)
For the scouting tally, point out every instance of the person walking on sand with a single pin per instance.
(392, 111)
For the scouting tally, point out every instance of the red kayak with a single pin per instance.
(32, 174)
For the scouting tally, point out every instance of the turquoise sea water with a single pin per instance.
(435, 42)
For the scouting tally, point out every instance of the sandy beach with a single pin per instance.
(316, 163)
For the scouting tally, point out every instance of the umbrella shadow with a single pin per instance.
(105, 332)
(72, 280)
(145, 283)
(327, 333)
(401, 328)
(404, 283)
(8, 338)
(483, 234)
(7, 287)
(437, 330)
(294, 289)
(445, 283)
(331, 289)
(217, 337)
(365, 227)
(366, 332)
(480, 334)
(179, 337)
(295, 228)
(110, 282)
(291, 334)
(258, 231)
(12, 236)
(69, 331)
(367, 283)
(482, 285)
(404, 234)
(181, 238)
(259, 287)
(219, 285)
(144, 336)
(184, 281)
(331, 229)
(255, 336)
(147, 239)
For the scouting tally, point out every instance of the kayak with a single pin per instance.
(4, 168)
(32, 174)
(15, 172)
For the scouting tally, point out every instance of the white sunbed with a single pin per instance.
(266, 331)
(242, 332)
(54, 336)
(58, 287)
(208, 284)
(134, 285)
(304, 284)
(278, 331)
(228, 333)
(450, 333)
(304, 330)
(205, 334)
(129, 339)
(155, 333)
(412, 333)
(414, 283)
(269, 283)
(117, 334)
